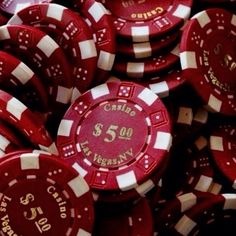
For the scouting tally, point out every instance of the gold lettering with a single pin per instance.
(216, 82)
(52, 191)
(27, 199)
(147, 15)
(118, 107)
(105, 161)
(6, 228)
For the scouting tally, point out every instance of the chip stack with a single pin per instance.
(117, 117)
(148, 35)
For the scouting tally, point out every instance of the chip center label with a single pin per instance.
(110, 135)
(34, 212)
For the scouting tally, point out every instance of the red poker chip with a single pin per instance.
(61, 204)
(223, 149)
(44, 55)
(190, 169)
(146, 49)
(206, 51)
(173, 210)
(116, 135)
(100, 21)
(213, 216)
(126, 221)
(142, 21)
(17, 114)
(141, 68)
(101, 24)
(73, 35)
(13, 6)
(19, 80)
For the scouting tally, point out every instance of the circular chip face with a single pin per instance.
(214, 216)
(116, 133)
(71, 33)
(19, 80)
(125, 221)
(13, 6)
(223, 148)
(45, 209)
(141, 20)
(140, 68)
(208, 54)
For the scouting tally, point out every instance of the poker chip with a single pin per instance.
(168, 216)
(13, 6)
(149, 152)
(214, 215)
(101, 24)
(73, 35)
(191, 169)
(99, 19)
(200, 174)
(100, 135)
(44, 55)
(223, 148)
(206, 56)
(48, 208)
(145, 68)
(146, 49)
(127, 220)
(18, 115)
(141, 21)
(19, 80)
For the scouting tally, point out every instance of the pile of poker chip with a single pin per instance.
(117, 117)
